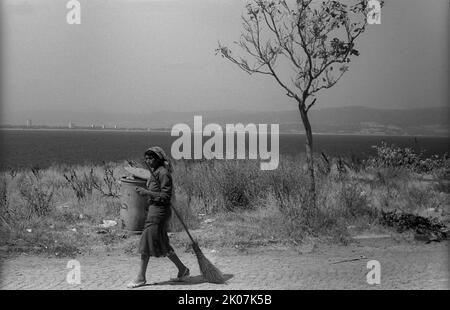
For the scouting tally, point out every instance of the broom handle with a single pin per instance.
(182, 223)
(175, 210)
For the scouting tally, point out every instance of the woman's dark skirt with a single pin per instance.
(154, 240)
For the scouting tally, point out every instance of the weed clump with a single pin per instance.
(37, 195)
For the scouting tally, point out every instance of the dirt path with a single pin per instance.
(403, 266)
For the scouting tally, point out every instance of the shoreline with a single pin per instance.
(82, 129)
(169, 131)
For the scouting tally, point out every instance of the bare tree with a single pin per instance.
(315, 39)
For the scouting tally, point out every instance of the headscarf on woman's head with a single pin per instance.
(159, 152)
(166, 162)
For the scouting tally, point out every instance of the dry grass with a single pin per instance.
(225, 203)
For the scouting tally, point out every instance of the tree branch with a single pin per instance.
(310, 105)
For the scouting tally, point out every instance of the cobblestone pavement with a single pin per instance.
(410, 266)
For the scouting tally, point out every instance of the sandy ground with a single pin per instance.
(403, 266)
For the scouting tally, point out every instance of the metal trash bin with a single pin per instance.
(133, 206)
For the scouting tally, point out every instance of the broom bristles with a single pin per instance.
(210, 272)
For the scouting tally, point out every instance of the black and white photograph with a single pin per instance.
(245, 147)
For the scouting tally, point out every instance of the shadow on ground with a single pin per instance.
(192, 280)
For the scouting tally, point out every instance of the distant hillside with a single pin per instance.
(350, 120)
(426, 121)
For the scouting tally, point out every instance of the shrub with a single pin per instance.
(407, 221)
(440, 164)
(392, 156)
(109, 180)
(37, 195)
(83, 185)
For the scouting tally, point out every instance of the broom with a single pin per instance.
(210, 272)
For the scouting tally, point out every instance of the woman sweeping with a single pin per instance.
(154, 240)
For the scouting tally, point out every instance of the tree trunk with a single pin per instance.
(309, 153)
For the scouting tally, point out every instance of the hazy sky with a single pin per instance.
(141, 56)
